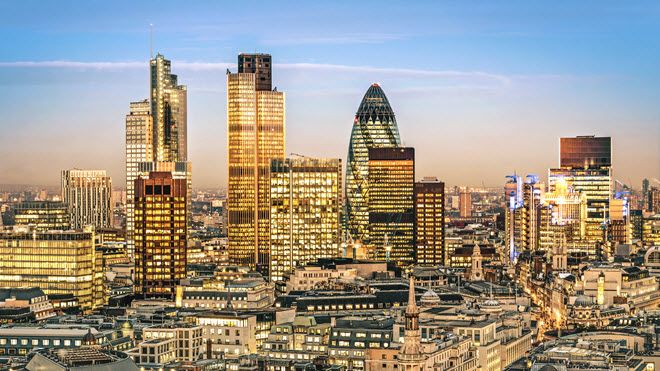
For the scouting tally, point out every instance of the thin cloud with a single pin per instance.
(337, 40)
(211, 66)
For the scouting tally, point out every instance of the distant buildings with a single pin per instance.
(374, 126)
(255, 129)
(465, 204)
(160, 234)
(88, 193)
(305, 208)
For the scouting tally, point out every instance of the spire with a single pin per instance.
(412, 305)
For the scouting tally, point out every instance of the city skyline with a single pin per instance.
(497, 96)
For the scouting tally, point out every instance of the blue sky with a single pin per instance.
(480, 88)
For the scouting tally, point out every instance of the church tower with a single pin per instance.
(559, 259)
(477, 271)
(410, 355)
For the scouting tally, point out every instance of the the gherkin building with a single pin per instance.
(374, 126)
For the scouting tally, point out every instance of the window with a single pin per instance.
(56, 342)
(35, 342)
(24, 341)
(45, 342)
(67, 343)
(13, 341)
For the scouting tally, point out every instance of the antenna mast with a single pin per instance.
(152, 40)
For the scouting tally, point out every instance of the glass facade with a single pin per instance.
(586, 152)
(88, 193)
(62, 262)
(160, 234)
(169, 108)
(255, 131)
(391, 207)
(139, 148)
(374, 126)
(430, 223)
(43, 215)
(305, 207)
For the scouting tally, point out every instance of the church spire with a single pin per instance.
(410, 355)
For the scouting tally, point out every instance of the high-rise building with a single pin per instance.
(522, 214)
(43, 215)
(562, 216)
(169, 109)
(429, 208)
(179, 170)
(466, 204)
(305, 203)
(58, 262)
(586, 166)
(391, 207)
(255, 132)
(654, 200)
(160, 234)
(139, 148)
(374, 126)
(88, 193)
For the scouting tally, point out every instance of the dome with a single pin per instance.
(548, 368)
(89, 338)
(583, 301)
(491, 303)
(430, 297)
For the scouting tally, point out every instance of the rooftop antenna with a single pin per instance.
(152, 40)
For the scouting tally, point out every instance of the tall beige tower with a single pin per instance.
(88, 193)
(255, 136)
(139, 148)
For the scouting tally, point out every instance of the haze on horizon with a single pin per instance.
(480, 90)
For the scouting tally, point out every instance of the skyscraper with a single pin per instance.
(160, 234)
(391, 208)
(255, 136)
(586, 166)
(466, 204)
(179, 170)
(305, 202)
(88, 193)
(139, 148)
(429, 207)
(43, 215)
(169, 109)
(374, 126)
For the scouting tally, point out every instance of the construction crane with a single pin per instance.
(299, 155)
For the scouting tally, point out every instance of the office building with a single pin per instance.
(466, 204)
(139, 148)
(255, 132)
(169, 109)
(305, 204)
(179, 170)
(160, 234)
(391, 207)
(374, 126)
(42, 215)
(522, 214)
(586, 166)
(58, 262)
(88, 193)
(429, 206)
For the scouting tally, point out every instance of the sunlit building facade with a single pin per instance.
(305, 209)
(430, 222)
(88, 193)
(179, 170)
(139, 148)
(160, 234)
(374, 126)
(255, 130)
(60, 262)
(391, 207)
(586, 166)
(42, 215)
(465, 202)
(169, 109)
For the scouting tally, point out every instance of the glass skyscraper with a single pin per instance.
(88, 193)
(374, 126)
(169, 108)
(255, 136)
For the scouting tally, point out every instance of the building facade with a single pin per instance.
(374, 126)
(43, 215)
(465, 203)
(305, 203)
(429, 206)
(139, 148)
(57, 262)
(255, 131)
(391, 205)
(88, 193)
(160, 234)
